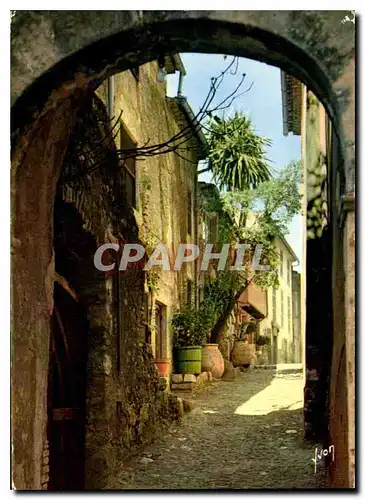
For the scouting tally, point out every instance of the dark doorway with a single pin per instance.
(67, 382)
(67, 392)
(160, 318)
(275, 349)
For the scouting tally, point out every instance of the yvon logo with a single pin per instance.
(348, 19)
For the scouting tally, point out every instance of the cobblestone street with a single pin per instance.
(242, 434)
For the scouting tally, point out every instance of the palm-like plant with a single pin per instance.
(236, 155)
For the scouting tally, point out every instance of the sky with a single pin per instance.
(262, 103)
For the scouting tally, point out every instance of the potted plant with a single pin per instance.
(187, 341)
(163, 367)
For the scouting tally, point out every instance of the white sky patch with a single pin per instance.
(263, 104)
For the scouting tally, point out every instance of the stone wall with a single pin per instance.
(35, 170)
(318, 277)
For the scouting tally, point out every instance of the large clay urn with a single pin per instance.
(212, 360)
(243, 353)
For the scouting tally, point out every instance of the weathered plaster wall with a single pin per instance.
(285, 337)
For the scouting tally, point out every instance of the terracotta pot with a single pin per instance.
(212, 360)
(243, 353)
(163, 367)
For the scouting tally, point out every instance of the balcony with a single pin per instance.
(254, 301)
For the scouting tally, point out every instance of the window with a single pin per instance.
(213, 229)
(296, 304)
(289, 314)
(205, 230)
(129, 166)
(281, 263)
(189, 290)
(160, 321)
(274, 304)
(189, 213)
(135, 72)
(282, 308)
(201, 295)
(289, 271)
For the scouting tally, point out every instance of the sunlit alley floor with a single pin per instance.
(242, 434)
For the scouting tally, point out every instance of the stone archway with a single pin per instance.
(57, 57)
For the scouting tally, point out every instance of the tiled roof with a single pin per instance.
(184, 117)
(291, 91)
(174, 63)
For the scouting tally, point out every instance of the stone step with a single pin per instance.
(282, 367)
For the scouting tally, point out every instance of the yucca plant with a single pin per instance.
(236, 155)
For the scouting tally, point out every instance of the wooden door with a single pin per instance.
(67, 393)
(160, 321)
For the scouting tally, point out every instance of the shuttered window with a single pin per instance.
(129, 166)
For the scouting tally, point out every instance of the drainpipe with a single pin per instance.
(111, 96)
(179, 89)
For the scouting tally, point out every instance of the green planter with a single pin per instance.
(189, 359)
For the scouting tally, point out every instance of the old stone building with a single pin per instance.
(278, 324)
(161, 188)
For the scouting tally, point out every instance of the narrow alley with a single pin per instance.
(239, 435)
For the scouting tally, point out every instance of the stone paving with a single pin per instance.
(240, 435)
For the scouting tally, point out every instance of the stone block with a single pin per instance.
(163, 383)
(228, 366)
(189, 377)
(180, 404)
(185, 386)
(188, 405)
(202, 378)
(176, 378)
(45, 470)
(229, 371)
